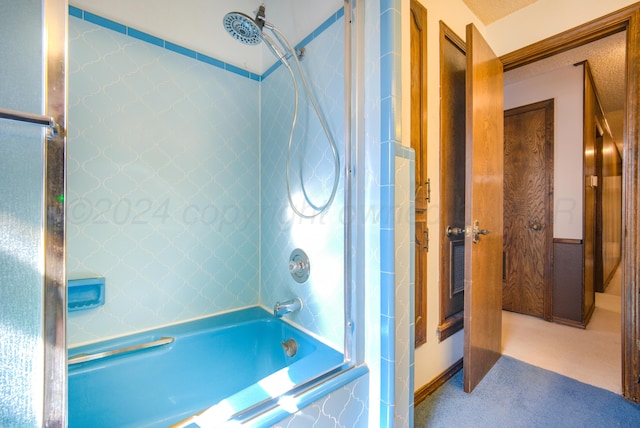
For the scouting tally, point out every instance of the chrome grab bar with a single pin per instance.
(83, 358)
(37, 119)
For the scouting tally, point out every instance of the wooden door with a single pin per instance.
(483, 210)
(528, 199)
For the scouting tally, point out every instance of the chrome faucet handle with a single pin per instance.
(297, 266)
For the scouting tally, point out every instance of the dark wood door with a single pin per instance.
(528, 200)
(483, 210)
(453, 65)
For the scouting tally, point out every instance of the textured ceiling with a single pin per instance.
(606, 58)
(608, 66)
(489, 11)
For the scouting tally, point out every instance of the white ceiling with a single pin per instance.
(197, 24)
(489, 11)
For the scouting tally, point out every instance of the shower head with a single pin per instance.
(242, 28)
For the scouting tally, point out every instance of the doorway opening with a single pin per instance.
(565, 43)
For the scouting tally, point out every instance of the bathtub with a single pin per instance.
(215, 367)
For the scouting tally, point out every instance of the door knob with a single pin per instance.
(476, 231)
(535, 226)
(455, 231)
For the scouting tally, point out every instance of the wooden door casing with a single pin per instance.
(590, 185)
(483, 210)
(528, 209)
(419, 101)
(419, 145)
(452, 180)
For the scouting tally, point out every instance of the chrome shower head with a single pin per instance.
(242, 28)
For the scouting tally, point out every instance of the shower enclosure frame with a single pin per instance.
(55, 301)
(55, 284)
(354, 215)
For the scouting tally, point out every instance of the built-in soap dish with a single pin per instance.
(86, 293)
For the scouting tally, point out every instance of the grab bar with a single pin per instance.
(37, 119)
(83, 358)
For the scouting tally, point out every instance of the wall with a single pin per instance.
(565, 86)
(612, 207)
(162, 178)
(404, 311)
(397, 166)
(344, 407)
(170, 214)
(312, 163)
(433, 358)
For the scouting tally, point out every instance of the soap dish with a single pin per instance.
(86, 293)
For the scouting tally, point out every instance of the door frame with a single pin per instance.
(624, 19)
(452, 114)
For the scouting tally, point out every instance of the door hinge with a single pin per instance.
(428, 183)
(426, 239)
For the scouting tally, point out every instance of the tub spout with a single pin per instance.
(293, 305)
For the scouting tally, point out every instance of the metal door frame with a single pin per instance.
(55, 287)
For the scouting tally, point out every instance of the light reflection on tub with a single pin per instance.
(217, 366)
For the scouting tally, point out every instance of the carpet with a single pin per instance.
(517, 394)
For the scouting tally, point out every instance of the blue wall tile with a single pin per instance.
(104, 22)
(103, 153)
(74, 11)
(390, 42)
(180, 49)
(145, 37)
(321, 237)
(162, 181)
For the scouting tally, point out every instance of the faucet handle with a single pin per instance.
(299, 266)
(295, 267)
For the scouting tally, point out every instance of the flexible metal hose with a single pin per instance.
(336, 160)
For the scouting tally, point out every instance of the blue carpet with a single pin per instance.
(516, 394)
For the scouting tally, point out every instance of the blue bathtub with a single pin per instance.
(222, 364)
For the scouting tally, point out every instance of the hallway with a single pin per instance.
(592, 355)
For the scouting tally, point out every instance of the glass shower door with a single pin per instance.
(32, 375)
